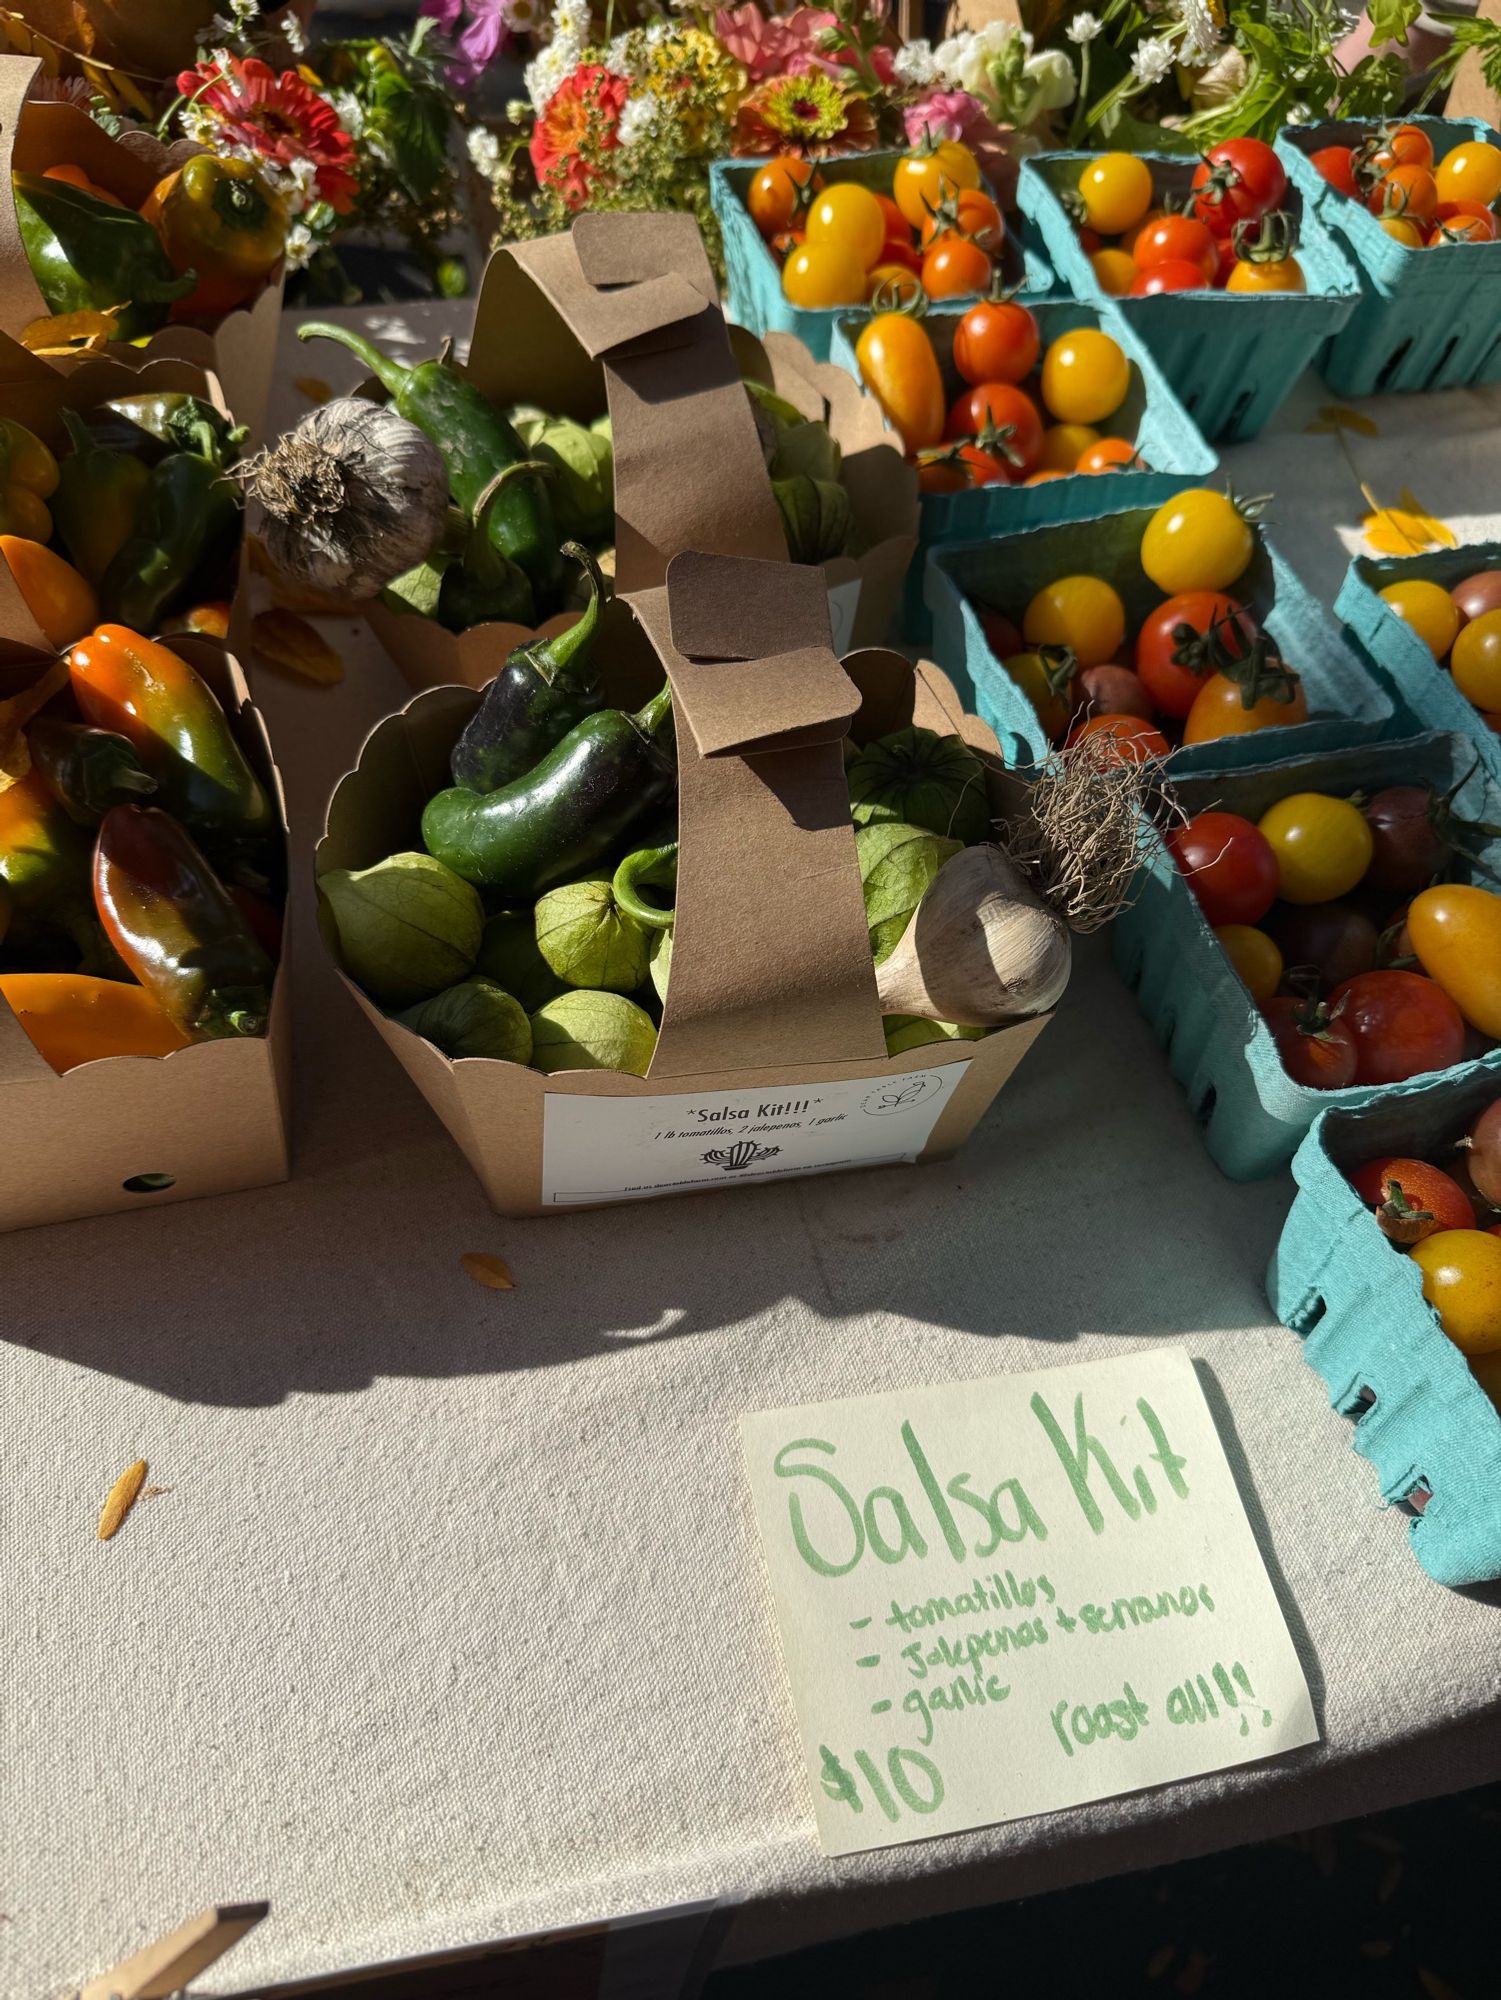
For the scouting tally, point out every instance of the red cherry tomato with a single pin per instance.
(1176, 239)
(1316, 1047)
(1239, 180)
(1402, 1023)
(1108, 455)
(1009, 409)
(1411, 1198)
(1176, 276)
(1229, 864)
(954, 265)
(1337, 165)
(996, 341)
(1171, 654)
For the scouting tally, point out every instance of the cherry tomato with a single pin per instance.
(1175, 277)
(773, 196)
(1255, 957)
(1220, 708)
(897, 230)
(1063, 445)
(1402, 229)
(996, 341)
(1229, 867)
(1114, 270)
(1316, 1047)
(1408, 847)
(929, 175)
(785, 242)
(1406, 191)
(1199, 540)
(1462, 1282)
(1110, 690)
(1484, 1153)
(893, 285)
(1041, 478)
(1411, 1198)
(1176, 239)
(1407, 145)
(1116, 190)
(1172, 655)
(823, 274)
(1452, 211)
(1428, 609)
(954, 266)
(898, 366)
(1122, 739)
(1085, 376)
(1471, 172)
(1045, 677)
(1337, 165)
(1403, 1024)
(943, 471)
(849, 217)
(1109, 455)
(1239, 180)
(970, 213)
(1322, 844)
(1009, 410)
(1475, 661)
(1080, 612)
(1001, 634)
(1268, 274)
(1456, 933)
(1478, 593)
(1461, 229)
(1324, 944)
(987, 459)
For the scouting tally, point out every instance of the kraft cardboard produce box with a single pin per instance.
(240, 351)
(136, 1131)
(770, 1059)
(622, 314)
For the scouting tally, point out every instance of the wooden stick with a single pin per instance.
(164, 1967)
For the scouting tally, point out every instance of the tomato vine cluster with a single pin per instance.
(1421, 203)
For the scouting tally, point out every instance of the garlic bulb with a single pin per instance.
(982, 948)
(354, 496)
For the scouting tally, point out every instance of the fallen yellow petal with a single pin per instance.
(66, 333)
(491, 1272)
(284, 640)
(313, 387)
(1333, 417)
(122, 1497)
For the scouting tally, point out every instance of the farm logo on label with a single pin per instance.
(900, 1093)
(744, 1153)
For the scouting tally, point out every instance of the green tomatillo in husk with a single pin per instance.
(588, 940)
(898, 864)
(508, 955)
(583, 462)
(923, 778)
(911, 1031)
(405, 928)
(474, 1018)
(592, 1031)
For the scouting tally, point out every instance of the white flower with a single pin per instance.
(966, 61)
(1201, 38)
(915, 65)
(521, 16)
(1151, 61)
(292, 33)
(299, 245)
(618, 56)
(546, 71)
(1053, 74)
(659, 32)
(1299, 114)
(570, 21)
(517, 111)
(638, 116)
(1083, 28)
(1224, 79)
(484, 147)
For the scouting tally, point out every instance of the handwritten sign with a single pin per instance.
(1002, 1597)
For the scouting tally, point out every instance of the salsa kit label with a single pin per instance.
(1008, 1596)
(604, 1148)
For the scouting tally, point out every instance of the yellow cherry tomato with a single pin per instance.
(1428, 609)
(1115, 271)
(900, 286)
(1476, 661)
(1116, 190)
(1045, 683)
(898, 366)
(1462, 1282)
(849, 217)
(1198, 540)
(1277, 274)
(1081, 612)
(1456, 933)
(1472, 172)
(1323, 846)
(1402, 229)
(1063, 445)
(1085, 376)
(823, 274)
(930, 175)
(1254, 956)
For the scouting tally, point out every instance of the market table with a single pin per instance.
(450, 1624)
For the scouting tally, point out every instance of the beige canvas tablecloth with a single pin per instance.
(451, 1623)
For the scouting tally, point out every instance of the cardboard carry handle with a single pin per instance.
(771, 954)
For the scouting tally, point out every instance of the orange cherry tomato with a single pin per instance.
(898, 366)
(1275, 274)
(1219, 709)
(955, 266)
(971, 213)
(1461, 229)
(774, 193)
(897, 229)
(1402, 229)
(942, 472)
(929, 174)
(1108, 455)
(1406, 145)
(1406, 190)
(1114, 270)
(1123, 738)
(1041, 478)
(786, 241)
(1175, 239)
(996, 341)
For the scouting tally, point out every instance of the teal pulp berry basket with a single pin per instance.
(1151, 417)
(1230, 357)
(1421, 686)
(1421, 1418)
(753, 278)
(1218, 1045)
(1426, 319)
(1345, 703)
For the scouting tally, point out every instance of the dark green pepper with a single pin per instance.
(563, 816)
(89, 255)
(100, 493)
(167, 420)
(536, 698)
(86, 770)
(653, 867)
(186, 537)
(484, 587)
(476, 443)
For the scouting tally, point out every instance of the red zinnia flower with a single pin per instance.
(583, 111)
(281, 119)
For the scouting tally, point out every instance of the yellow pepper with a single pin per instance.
(59, 599)
(218, 219)
(28, 479)
(73, 1019)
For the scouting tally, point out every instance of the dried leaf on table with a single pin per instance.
(313, 387)
(70, 333)
(122, 1497)
(284, 640)
(491, 1272)
(16, 712)
(1334, 418)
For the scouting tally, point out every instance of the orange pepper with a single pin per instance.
(72, 1019)
(59, 599)
(76, 177)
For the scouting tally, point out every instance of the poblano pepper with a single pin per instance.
(476, 443)
(86, 770)
(91, 255)
(483, 586)
(149, 426)
(186, 536)
(100, 494)
(537, 697)
(565, 814)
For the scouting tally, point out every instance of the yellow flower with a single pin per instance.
(1406, 530)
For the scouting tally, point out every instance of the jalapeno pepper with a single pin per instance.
(186, 536)
(565, 814)
(99, 494)
(75, 1019)
(91, 255)
(142, 690)
(482, 586)
(86, 770)
(171, 920)
(536, 698)
(653, 867)
(476, 443)
(28, 480)
(150, 426)
(217, 217)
